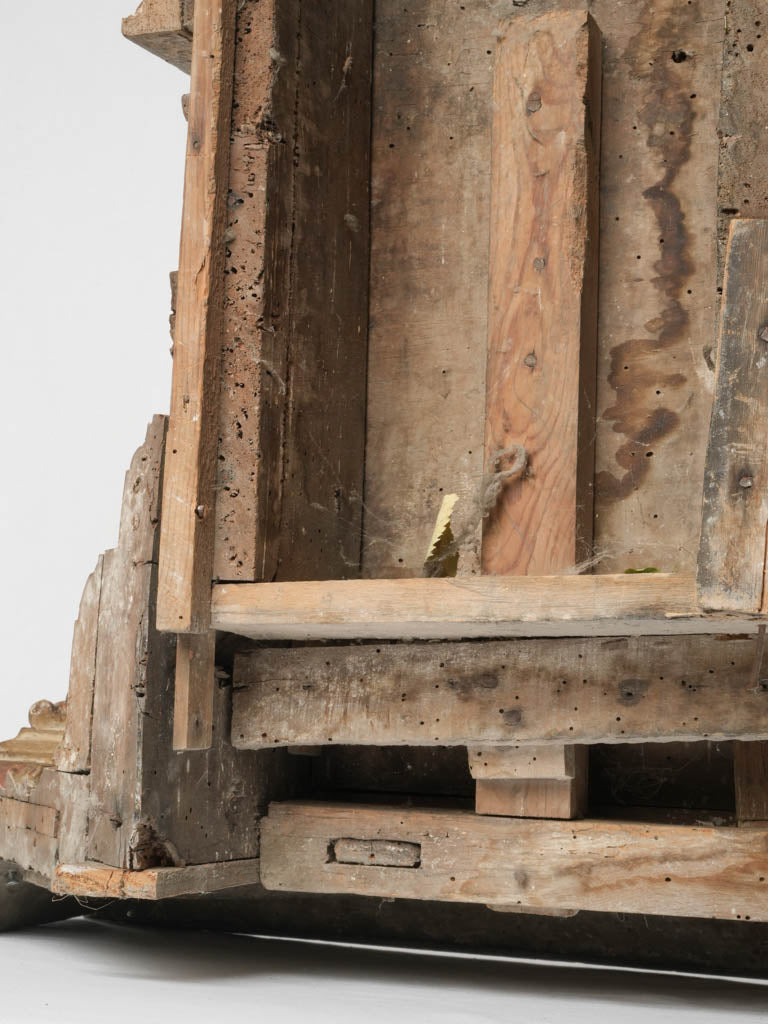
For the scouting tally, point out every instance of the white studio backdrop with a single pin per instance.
(91, 171)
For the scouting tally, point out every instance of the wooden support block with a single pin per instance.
(522, 762)
(735, 510)
(535, 798)
(164, 27)
(187, 528)
(623, 690)
(193, 691)
(622, 867)
(74, 754)
(750, 771)
(453, 609)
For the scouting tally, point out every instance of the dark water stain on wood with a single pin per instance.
(668, 117)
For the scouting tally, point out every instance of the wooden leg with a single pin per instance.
(193, 703)
(531, 782)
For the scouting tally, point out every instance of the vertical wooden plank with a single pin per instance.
(186, 546)
(292, 406)
(750, 771)
(735, 506)
(542, 327)
(193, 691)
(542, 337)
(74, 754)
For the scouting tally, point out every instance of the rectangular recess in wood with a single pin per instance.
(453, 609)
(621, 867)
(735, 507)
(542, 329)
(187, 534)
(623, 690)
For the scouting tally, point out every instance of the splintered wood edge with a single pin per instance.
(100, 882)
(656, 604)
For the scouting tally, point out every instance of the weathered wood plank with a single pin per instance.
(292, 407)
(490, 606)
(164, 27)
(626, 690)
(750, 773)
(74, 753)
(187, 529)
(193, 691)
(22, 815)
(587, 865)
(93, 880)
(542, 319)
(735, 509)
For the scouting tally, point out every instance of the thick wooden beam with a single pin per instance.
(576, 865)
(186, 546)
(164, 27)
(626, 690)
(735, 512)
(491, 606)
(542, 321)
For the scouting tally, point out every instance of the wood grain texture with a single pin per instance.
(542, 318)
(750, 773)
(490, 606)
(164, 27)
(74, 754)
(735, 507)
(93, 880)
(292, 407)
(193, 691)
(187, 529)
(625, 690)
(575, 865)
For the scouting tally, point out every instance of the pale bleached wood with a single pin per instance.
(542, 319)
(74, 753)
(623, 690)
(574, 865)
(522, 762)
(735, 508)
(490, 606)
(94, 880)
(164, 27)
(376, 851)
(750, 772)
(187, 528)
(193, 691)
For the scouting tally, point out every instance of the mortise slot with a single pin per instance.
(381, 853)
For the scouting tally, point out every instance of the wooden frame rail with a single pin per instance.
(657, 604)
(458, 856)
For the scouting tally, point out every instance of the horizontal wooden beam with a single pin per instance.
(98, 881)
(453, 609)
(575, 865)
(636, 689)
